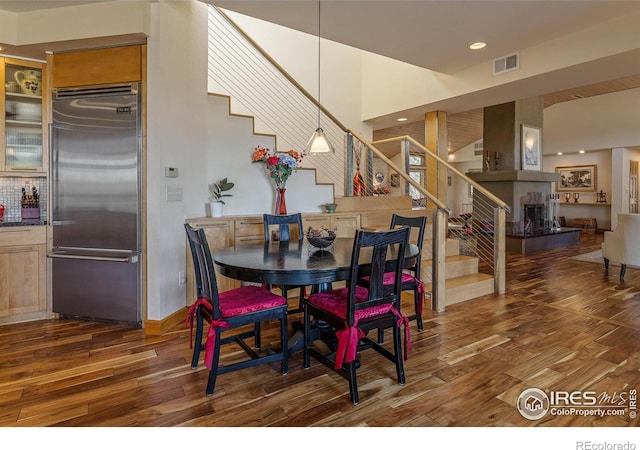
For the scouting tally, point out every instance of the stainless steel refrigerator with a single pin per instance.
(95, 146)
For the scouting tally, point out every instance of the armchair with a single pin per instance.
(622, 245)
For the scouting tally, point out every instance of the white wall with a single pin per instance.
(603, 161)
(75, 22)
(177, 137)
(297, 52)
(390, 86)
(602, 121)
(231, 143)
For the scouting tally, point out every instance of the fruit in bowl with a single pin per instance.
(320, 237)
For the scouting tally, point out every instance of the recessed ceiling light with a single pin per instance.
(581, 151)
(477, 45)
(559, 153)
(1, 48)
(402, 119)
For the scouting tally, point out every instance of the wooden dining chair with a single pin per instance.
(354, 311)
(411, 280)
(229, 310)
(287, 226)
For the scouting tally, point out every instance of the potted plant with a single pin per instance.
(217, 192)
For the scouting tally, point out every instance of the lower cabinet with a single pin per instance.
(22, 271)
(345, 225)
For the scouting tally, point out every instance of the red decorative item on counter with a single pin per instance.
(1, 213)
(281, 204)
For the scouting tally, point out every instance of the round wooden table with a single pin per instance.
(293, 263)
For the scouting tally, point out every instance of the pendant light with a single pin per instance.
(319, 142)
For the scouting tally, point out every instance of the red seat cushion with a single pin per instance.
(233, 303)
(248, 299)
(335, 302)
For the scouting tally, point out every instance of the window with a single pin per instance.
(416, 172)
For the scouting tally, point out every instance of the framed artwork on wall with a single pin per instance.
(395, 180)
(531, 147)
(577, 178)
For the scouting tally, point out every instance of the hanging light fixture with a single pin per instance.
(319, 142)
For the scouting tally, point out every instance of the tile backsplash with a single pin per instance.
(11, 195)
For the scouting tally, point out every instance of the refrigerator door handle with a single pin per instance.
(130, 259)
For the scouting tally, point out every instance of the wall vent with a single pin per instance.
(506, 63)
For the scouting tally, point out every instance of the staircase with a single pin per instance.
(331, 175)
(463, 281)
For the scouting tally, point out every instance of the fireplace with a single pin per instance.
(534, 218)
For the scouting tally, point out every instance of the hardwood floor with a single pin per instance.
(563, 325)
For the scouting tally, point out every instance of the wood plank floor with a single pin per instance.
(562, 325)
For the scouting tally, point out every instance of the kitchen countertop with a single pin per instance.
(22, 223)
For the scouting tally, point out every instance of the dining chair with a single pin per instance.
(411, 275)
(229, 310)
(622, 245)
(354, 310)
(287, 226)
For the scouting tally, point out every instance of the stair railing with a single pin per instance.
(480, 227)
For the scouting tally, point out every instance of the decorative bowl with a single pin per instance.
(320, 237)
(330, 207)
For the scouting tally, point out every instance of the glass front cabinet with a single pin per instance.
(23, 130)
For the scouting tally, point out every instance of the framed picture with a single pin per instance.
(395, 180)
(379, 177)
(577, 179)
(530, 144)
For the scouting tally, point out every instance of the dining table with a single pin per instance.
(294, 263)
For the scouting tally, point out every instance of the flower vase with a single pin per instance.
(358, 184)
(281, 204)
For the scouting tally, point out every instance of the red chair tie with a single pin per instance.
(348, 339)
(211, 335)
(420, 290)
(407, 332)
(347, 344)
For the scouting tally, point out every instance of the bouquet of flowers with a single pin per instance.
(279, 165)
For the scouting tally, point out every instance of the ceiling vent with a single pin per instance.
(506, 63)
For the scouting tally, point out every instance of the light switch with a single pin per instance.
(174, 193)
(171, 172)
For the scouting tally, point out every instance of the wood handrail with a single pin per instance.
(484, 191)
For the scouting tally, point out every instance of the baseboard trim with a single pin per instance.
(158, 327)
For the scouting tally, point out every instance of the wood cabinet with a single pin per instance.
(345, 225)
(23, 132)
(249, 230)
(101, 66)
(22, 271)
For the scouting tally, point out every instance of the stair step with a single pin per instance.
(466, 287)
(452, 247)
(455, 266)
